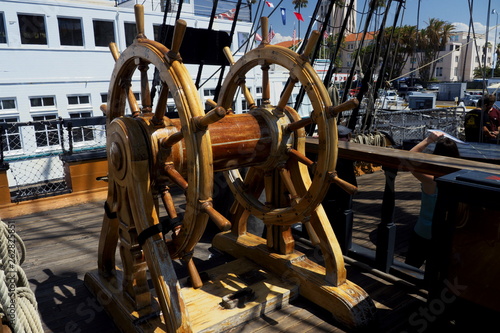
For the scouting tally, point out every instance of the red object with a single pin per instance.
(299, 16)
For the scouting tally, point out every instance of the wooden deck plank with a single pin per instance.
(62, 247)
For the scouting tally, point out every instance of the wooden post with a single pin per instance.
(4, 185)
(386, 232)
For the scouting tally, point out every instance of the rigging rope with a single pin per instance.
(18, 306)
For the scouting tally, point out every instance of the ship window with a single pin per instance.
(11, 138)
(81, 134)
(38, 102)
(78, 100)
(3, 35)
(46, 133)
(7, 104)
(70, 31)
(104, 32)
(32, 29)
(130, 33)
(104, 98)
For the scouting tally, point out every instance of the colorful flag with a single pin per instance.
(229, 15)
(294, 35)
(258, 37)
(299, 16)
(269, 4)
(271, 34)
(283, 15)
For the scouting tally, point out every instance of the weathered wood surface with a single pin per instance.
(62, 247)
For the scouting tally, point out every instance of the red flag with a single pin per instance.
(258, 37)
(269, 4)
(299, 16)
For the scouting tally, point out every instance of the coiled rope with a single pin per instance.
(18, 306)
(372, 139)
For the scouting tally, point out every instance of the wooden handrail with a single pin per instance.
(404, 160)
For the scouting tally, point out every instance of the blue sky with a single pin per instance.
(452, 11)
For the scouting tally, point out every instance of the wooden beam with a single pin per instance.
(404, 160)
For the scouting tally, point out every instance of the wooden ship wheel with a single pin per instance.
(149, 153)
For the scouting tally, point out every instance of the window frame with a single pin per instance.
(42, 40)
(99, 37)
(73, 33)
(10, 135)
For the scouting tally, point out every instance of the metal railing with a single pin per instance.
(32, 153)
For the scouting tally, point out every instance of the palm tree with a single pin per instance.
(431, 41)
(297, 4)
(401, 44)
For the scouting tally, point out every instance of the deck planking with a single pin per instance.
(62, 246)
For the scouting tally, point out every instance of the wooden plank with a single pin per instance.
(82, 175)
(203, 305)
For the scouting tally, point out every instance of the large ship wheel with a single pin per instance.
(141, 165)
(148, 153)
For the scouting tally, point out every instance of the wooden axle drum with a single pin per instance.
(148, 153)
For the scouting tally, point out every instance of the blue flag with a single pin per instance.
(283, 15)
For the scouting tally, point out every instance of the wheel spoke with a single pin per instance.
(266, 88)
(132, 102)
(298, 156)
(161, 106)
(167, 143)
(207, 207)
(175, 176)
(145, 92)
(287, 180)
(168, 202)
(241, 80)
(285, 97)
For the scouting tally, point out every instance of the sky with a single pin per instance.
(452, 11)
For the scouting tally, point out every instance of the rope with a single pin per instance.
(18, 306)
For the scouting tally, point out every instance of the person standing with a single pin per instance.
(418, 250)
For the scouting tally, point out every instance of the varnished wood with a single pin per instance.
(349, 188)
(4, 188)
(179, 31)
(144, 152)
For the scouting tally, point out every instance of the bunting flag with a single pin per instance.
(229, 15)
(271, 34)
(258, 37)
(299, 16)
(269, 4)
(283, 15)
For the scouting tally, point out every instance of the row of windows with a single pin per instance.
(32, 29)
(46, 134)
(9, 103)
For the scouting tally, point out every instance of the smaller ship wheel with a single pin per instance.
(287, 155)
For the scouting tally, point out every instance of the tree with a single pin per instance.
(431, 41)
(400, 42)
(297, 4)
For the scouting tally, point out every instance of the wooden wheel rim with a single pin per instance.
(310, 191)
(198, 145)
